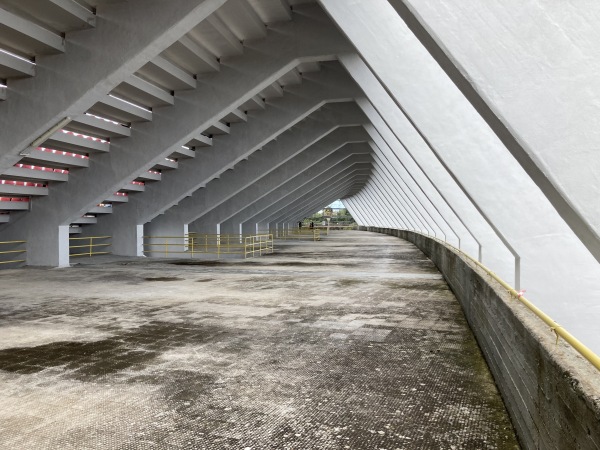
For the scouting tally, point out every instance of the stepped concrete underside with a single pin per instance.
(354, 342)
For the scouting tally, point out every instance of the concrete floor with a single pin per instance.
(354, 342)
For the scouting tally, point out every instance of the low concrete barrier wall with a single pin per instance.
(552, 394)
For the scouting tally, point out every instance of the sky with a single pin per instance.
(337, 204)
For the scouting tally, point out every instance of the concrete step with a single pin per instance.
(120, 110)
(272, 91)
(235, 116)
(77, 143)
(97, 126)
(143, 92)
(13, 67)
(164, 73)
(256, 102)
(183, 153)
(8, 187)
(116, 198)
(215, 129)
(55, 158)
(166, 164)
(292, 78)
(192, 56)
(85, 221)
(134, 186)
(151, 175)
(34, 173)
(60, 16)
(6, 205)
(27, 38)
(106, 209)
(200, 141)
(75, 229)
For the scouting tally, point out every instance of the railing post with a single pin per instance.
(91, 242)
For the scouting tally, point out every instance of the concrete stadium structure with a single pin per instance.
(472, 122)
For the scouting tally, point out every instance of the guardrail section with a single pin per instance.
(208, 244)
(258, 245)
(311, 234)
(12, 252)
(89, 246)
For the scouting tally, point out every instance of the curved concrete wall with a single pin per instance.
(552, 394)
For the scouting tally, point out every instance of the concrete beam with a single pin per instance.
(70, 84)
(315, 160)
(303, 208)
(272, 205)
(300, 102)
(269, 207)
(496, 77)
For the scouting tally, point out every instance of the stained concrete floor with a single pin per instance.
(354, 342)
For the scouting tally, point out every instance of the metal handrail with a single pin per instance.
(264, 242)
(193, 243)
(8, 252)
(91, 246)
(557, 329)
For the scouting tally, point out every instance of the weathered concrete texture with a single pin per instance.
(354, 342)
(550, 391)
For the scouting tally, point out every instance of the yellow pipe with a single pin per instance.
(13, 242)
(88, 237)
(583, 350)
(12, 251)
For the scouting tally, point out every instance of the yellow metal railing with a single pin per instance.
(313, 234)
(558, 330)
(10, 245)
(91, 247)
(258, 245)
(211, 244)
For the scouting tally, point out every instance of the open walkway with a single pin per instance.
(354, 342)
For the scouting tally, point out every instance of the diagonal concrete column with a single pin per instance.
(325, 199)
(352, 180)
(271, 206)
(324, 124)
(550, 255)
(173, 222)
(398, 185)
(308, 164)
(71, 83)
(302, 207)
(283, 206)
(266, 208)
(370, 208)
(354, 210)
(330, 85)
(374, 198)
(408, 203)
(391, 193)
(309, 37)
(409, 146)
(396, 168)
(509, 86)
(206, 201)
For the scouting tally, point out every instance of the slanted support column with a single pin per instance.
(515, 84)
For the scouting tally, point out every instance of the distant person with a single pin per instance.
(312, 225)
(300, 225)
(324, 223)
